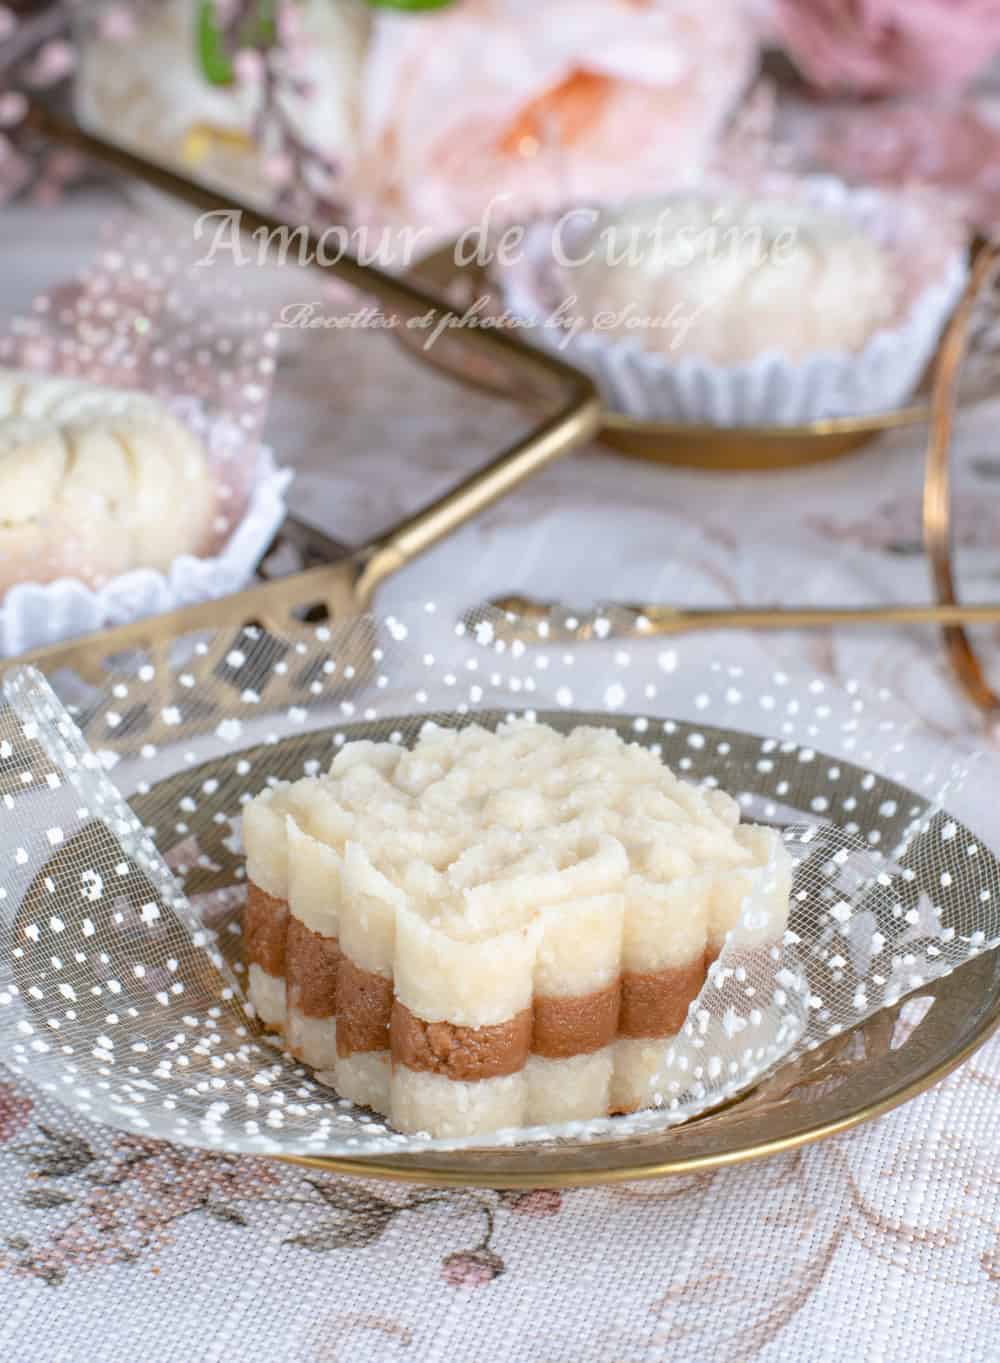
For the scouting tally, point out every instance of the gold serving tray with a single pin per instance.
(704, 447)
(742, 449)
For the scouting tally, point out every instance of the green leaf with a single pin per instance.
(409, 4)
(64, 1154)
(41, 1199)
(222, 1212)
(351, 1199)
(266, 29)
(212, 55)
(343, 1232)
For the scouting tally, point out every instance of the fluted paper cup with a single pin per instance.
(926, 246)
(35, 614)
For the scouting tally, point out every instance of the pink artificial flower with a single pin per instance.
(889, 46)
(116, 23)
(952, 145)
(279, 170)
(289, 23)
(13, 107)
(248, 66)
(488, 101)
(55, 60)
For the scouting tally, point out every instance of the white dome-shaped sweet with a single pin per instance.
(95, 481)
(729, 277)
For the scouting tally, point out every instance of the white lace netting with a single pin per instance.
(121, 981)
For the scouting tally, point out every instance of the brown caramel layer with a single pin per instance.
(576, 1026)
(364, 1005)
(265, 927)
(464, 1053)
(311, 962)
(655, 1002)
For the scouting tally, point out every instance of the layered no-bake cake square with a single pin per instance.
(496, 929)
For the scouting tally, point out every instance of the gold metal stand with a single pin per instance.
(634, 618)
(938, 521)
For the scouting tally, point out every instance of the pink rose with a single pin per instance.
(953, 145)
(888, 46)
(471, 1268)
(603, 98)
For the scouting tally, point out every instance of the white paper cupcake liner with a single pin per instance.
(931, 257)
(35, 614)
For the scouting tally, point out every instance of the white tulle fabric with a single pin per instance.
(889, 892)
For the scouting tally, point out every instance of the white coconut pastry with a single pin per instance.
(305, 860)
(497, 929)
(683, 850)
(364, 1000)
(748, 275)
(312, 947)
(265, 916)
(576, 983)
(497, 967)
(379, 828)
(749, 904)
(96, 481)
(265, 920)
(576, 1007)
(317, 854)
(663, 967)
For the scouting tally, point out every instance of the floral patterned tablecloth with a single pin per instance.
(884, 1244)
(880, 1245)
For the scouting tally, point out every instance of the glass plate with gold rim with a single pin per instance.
(859, 1074)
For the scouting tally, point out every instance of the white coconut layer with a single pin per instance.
(568, 1090)
(267, 994)
(450, 1107)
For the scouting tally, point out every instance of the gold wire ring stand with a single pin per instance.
(938, 521)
